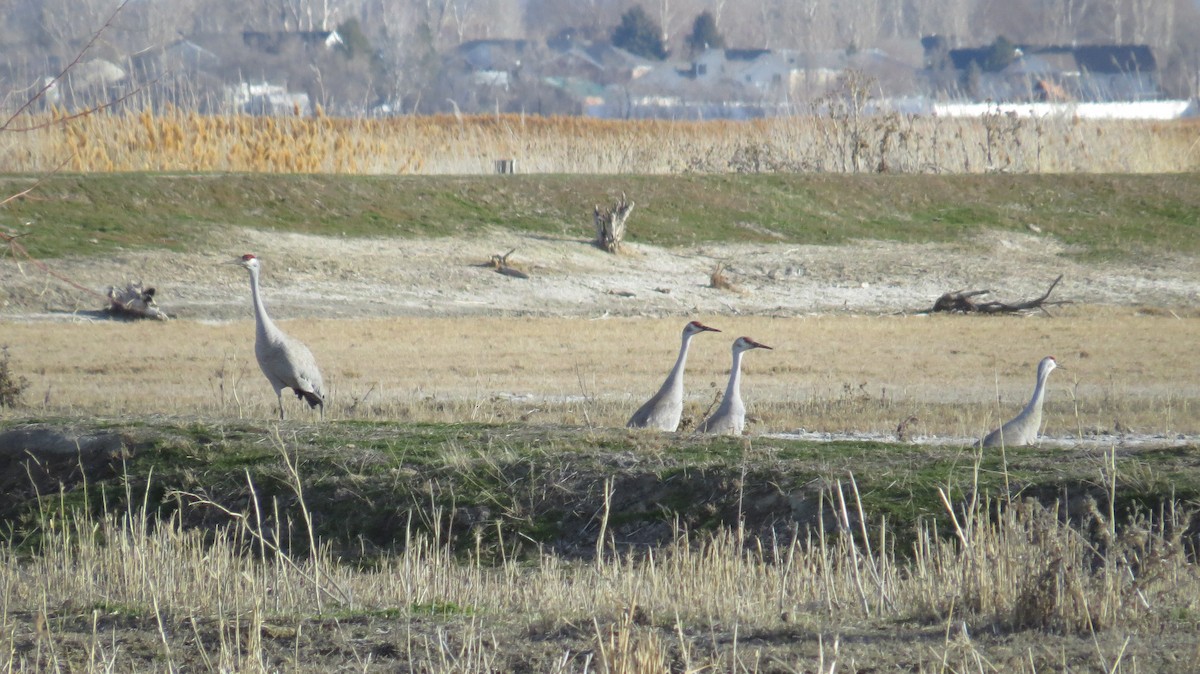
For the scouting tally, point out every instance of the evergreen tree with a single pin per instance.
(705, 34)
(1001, 53)
(354, 43)
(639, 34)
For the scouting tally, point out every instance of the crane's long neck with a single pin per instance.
(262, 320)
(733, 391)
(675, 379)
(1039, 392)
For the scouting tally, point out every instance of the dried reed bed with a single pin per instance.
(174, 140)
(956, 375)
(1012, 588)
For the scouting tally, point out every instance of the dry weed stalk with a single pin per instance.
(626, 647)
(1018, 567)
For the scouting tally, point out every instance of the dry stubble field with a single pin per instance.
(1126, 375)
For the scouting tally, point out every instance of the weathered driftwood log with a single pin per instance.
(963, 302)
(134, 301)
(610, 224)
(501, 264)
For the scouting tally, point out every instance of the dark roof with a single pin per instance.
(1117, 59)
(510, 45)
(1113, 59)
(744, 54)
(934, 43)
(962, 58)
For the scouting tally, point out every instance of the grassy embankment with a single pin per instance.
(1102, 215)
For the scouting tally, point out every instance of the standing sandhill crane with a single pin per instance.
(730, 417)
(1023, 428)
(662, 411)
(285, 361)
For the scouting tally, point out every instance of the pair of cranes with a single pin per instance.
(287, 363)
(664, 409)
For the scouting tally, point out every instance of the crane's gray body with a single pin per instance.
(285, 361)
(730, 417)
(664, 409)
(1023, 429)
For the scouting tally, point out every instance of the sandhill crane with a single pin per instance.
(285, 361)
(1023, 428)
(662, 411)
(730, 417)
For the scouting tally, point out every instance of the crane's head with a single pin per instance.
(248, 261)
(1048, 363)
(696, 327)
(745, 344)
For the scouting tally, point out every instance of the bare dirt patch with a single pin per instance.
(317, 276)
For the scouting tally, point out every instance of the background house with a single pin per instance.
(1086, 73)
(491, 62)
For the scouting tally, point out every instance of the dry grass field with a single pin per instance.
(1125, 373)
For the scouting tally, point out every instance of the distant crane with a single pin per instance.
(730, 417)
(285, 361)
(1023, 428)
(662, 411)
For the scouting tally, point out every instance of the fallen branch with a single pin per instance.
(963, 302)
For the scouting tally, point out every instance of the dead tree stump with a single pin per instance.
(610, 224)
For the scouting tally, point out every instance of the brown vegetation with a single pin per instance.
(1011, 584)
(720, 280)
(174, 140)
